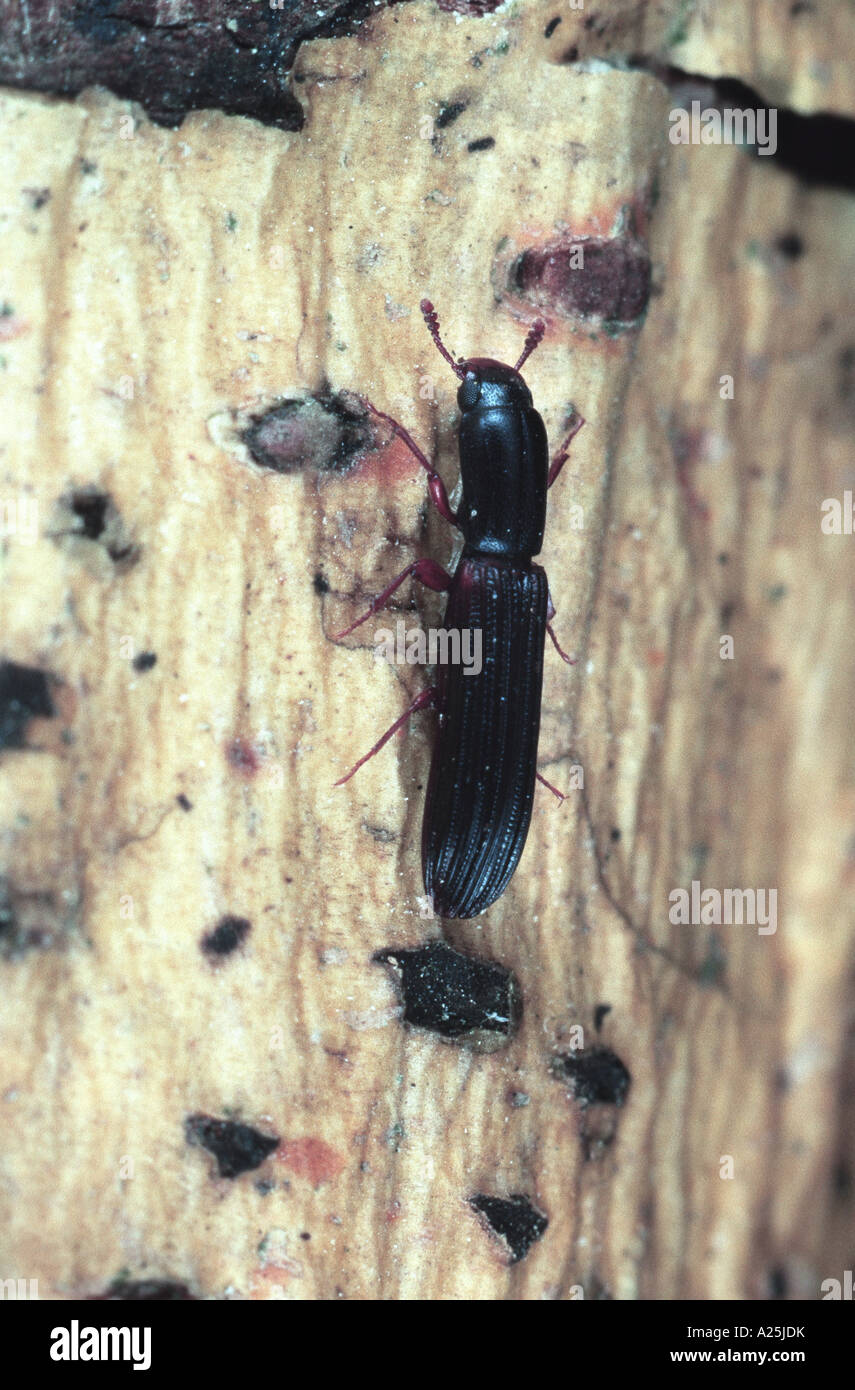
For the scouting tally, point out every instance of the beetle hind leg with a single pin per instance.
(422, 700)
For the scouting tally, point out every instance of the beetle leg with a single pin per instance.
(550, 614)
(439, 496)
(428, 572)
(562, 796)
(425, 697)
(571, 660)
(561, 457)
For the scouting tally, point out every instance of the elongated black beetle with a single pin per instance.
(482, 777)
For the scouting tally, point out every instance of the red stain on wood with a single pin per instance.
(241, 756)
(310, 1158)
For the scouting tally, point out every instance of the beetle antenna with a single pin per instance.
(431, 318)
(535, 336)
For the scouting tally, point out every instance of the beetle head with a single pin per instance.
(487, 383)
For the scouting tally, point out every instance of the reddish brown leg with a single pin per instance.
(550, 614)
(561, 795)
(436, 486)
(426, 697)
(561, 457)
(428, 572)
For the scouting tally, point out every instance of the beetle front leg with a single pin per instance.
(436, 486)
(561, 457)
(428, 572)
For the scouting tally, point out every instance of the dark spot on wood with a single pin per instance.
(305, 1235)
(324, 432)
(238, 1148)
(778, 1282)
(90, 514)
(615, 834)
(226, 936)
(183, 802)
(34, 920)
(597, 1076)
(515, 1220)
(90, 508)
(456, 995)
(37, 196)
(380, 833)
(606, 279)
(24, 695)
(144, 661)
(486, 142)
(713, 969)
(599, 1014)
(846, 379)
(552, 26)
(841, 1180)
(571, 55)
(321, 584)
(241, 755)
(790, 245)
(727, 611)
(448, 113)
(145, 1291)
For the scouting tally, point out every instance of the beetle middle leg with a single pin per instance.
(428, 572)
(562, 455)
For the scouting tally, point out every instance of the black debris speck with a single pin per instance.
(790, 245)
(599, 1014)
(143, 661)
(184, 802)
(322, 584)
(88, 513)
(147, 1291)
(454, 994)
(486, 142)
(448, 113)
(24, 695)
(596, 1076)
(238, 1148)
(226, 936)
(778, 1282)
(90, 508)
(513, 1219)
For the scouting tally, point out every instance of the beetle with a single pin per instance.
(481, 786)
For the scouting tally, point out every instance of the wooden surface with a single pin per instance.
(170, 289)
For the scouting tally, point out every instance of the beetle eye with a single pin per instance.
(469, 391)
